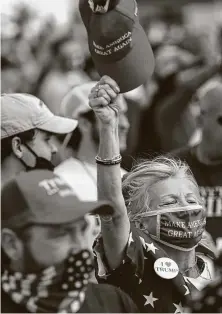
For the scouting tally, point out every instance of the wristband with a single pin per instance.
(109, 162)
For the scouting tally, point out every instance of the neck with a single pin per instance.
(87, 151)
(184, 260)
(203, 154)
(10, 168)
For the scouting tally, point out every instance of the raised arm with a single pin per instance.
(115, 230)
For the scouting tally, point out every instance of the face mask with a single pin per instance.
(53, 290)
(180, 228)
(41, 163)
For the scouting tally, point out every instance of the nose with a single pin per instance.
(81, 235)
(183, 201)
(54, 149)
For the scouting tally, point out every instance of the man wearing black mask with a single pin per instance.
(26, 128)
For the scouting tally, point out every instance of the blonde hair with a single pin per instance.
(144, 175)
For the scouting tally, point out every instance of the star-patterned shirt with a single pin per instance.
(137, 277)
(209, 300)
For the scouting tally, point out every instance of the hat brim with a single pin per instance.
(59, 125)
(72, 212)
(56, 216)
(136, 68)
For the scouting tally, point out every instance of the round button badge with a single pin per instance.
(166, 268)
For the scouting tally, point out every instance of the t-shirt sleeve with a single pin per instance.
(132, 265)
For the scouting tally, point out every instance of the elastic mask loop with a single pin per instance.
(170, 210)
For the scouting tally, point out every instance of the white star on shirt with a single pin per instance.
(150, 299)
(148, 246)
(130, 238)
(187, 290)
(179, 308)
(151, 247)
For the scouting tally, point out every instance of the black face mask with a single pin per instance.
(41, 163)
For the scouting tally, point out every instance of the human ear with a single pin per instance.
(11, 244)
(17, 147)
(22, 152)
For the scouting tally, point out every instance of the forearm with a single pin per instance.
(109, 177)
(203, 75)
(170, 111)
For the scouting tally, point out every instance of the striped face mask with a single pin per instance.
(178, 227)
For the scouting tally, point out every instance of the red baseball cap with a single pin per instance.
(118, 44)
(41, 197)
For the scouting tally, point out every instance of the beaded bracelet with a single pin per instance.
(107, 159)
(109, 162)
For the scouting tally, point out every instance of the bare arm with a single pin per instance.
(202, 75)
(115, 230)
(174, 105)
(169, 113)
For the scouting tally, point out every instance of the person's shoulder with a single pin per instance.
(102, 289)
(69, 164)
(119, 299)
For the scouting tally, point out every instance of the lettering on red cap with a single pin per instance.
(115, 46)
(56, 185)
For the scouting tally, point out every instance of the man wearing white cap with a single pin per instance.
(26, 128)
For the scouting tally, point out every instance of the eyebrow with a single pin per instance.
(67, 225)
(175, 195)
(53, 230)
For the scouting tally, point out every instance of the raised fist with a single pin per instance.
(102, 100)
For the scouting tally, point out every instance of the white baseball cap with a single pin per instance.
(23, 112)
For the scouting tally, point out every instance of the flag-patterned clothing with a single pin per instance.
(137, 277)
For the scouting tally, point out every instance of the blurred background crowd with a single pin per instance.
(45, 53)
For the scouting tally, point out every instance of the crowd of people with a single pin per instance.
(111, 163)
